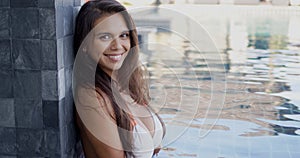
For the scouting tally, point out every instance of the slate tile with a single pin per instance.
(7, 113)
(25, 23)
(29, 113)
(26, 54)
(27, 84)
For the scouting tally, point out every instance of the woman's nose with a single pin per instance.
(116, 44)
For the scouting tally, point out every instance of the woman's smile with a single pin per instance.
(114, 57)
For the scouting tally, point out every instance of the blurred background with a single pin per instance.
(249, 2)
(252, 109)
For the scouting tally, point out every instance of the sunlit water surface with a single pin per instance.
(259, 116)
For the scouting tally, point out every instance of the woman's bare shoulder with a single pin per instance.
(87, 97)
(99, 140)
(98, 128)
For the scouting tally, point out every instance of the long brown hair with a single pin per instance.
(130, 75)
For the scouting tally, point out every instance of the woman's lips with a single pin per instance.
(114, 57)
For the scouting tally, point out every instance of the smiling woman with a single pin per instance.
(111, 42)
(110, 90)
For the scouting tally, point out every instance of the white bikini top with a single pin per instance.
(144, 143)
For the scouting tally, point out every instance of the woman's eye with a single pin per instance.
(105, 37)
(124, 36)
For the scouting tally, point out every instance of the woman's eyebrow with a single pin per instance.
(102, 33)
(108, 33)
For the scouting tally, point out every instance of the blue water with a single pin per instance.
(260, 116)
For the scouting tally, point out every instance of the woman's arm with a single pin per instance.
(98, 131)
(93, 148)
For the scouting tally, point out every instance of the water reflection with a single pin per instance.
(261, 60)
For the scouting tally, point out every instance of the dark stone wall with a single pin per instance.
(36, 60)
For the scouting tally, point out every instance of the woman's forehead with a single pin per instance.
(111, 23)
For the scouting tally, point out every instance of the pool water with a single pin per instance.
(259, 51)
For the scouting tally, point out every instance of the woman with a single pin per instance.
(110, 91)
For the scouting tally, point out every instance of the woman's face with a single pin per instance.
(110, 42)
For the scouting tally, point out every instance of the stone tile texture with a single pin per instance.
(6, 80)
(27, 84)
(36, 59)
(8, 143)
(4, 22)
(26, 54)
(5, 55)
(7, 113)
(28, 18)
(29, 113)
(23, 3)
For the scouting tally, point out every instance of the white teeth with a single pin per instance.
(115, 57)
